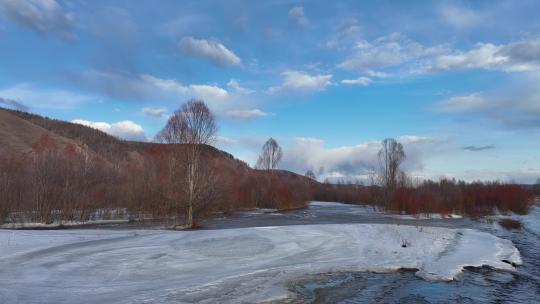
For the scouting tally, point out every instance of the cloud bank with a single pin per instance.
(302, 81)
(350, 162)
(125, 129)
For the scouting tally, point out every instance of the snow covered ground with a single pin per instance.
(225, 266)
(59, 225)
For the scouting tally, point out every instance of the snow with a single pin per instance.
(32, 225)
(352, 207)
(530, 221)
(426, 216)
(255, 211)
(16, 242)
(226, 266)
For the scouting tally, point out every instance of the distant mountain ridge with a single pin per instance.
(100, 142)
(17, 134)
(19, 130)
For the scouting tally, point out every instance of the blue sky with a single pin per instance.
(458, 83)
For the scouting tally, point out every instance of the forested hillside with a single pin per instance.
(52, 170)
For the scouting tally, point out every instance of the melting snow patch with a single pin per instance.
(230, 265)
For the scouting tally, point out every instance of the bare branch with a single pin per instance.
(270, 156)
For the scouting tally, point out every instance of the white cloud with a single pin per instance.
(377, 74)
(520, 56)
(310, 154)
(156, 112)
(516, 105)
(302, 81)
(396, 51)
(125, 129)
(525, 176)
(348, 30)
(170, 85)
(209, 92)
(149, 87)
(350, 161)
(35, 97)
(482, 56)
(465, 103)
(235, 86)
(388, 51)
(203, 91)
(224, 141)
(40, 15)
(211, 50)
(298, 17)
(361, 81)
(246, 114)
(165, 91)
(414, 139)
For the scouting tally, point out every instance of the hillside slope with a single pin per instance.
(19, 130)
(103, 144)
(17, 135)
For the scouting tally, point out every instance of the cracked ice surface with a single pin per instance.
(230, 265)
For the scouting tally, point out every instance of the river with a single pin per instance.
(475, 285)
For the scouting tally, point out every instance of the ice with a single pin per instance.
(229, 265)
(14, 242)
(532, 220)
(375, 210)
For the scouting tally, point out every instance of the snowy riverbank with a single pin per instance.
(231, 265)
(57, 225)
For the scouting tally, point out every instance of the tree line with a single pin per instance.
(393, 190)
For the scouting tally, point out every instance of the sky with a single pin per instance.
(456, 82)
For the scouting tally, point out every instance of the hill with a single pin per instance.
(120, 174)
(18, 134)
(101, 143)
(20, 130)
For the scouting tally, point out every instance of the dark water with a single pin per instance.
(475, 285)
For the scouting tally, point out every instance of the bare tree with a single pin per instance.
(372, 176)
(270, 156)
(391, 156)
(14, 185)
(311, 175)
(192, 126)
(47, 179)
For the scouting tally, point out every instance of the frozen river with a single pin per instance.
(326, 253)
(474, 285)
